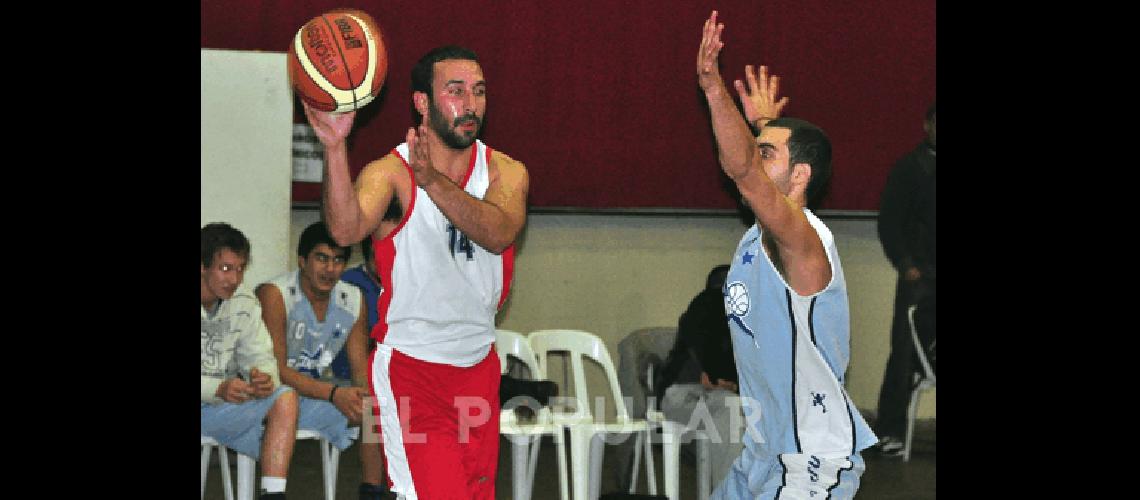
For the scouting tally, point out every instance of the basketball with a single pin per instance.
(338, 61)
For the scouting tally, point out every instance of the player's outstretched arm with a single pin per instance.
(734, 141)
(351, 212)
(807, 267)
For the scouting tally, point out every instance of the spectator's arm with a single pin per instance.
(896, 205)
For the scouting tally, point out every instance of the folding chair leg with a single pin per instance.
(563, 480)
(704, 474)
(535, 442)
(245, 477)
(636, 463)
(671, 453)
(227, 486)
(911, 414)
(519, 467)
(597, 454)
(650, 467)
(206, 449)
(331, 459)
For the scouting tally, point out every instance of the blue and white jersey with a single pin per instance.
(792, 352)
(311, 344)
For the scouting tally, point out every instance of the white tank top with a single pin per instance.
(441, 290)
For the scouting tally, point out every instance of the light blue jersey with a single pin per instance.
(311, 344)
(791, 353)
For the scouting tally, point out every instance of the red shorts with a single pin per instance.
(439, 424)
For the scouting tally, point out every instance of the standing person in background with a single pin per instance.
(240, 383)
(786, 300)
(446, 270)
(907, 230)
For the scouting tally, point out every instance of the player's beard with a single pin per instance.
(448, 131)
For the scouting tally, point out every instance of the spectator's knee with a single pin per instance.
(287, 404)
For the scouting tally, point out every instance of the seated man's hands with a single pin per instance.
(261, 383)
(721, 383)
(234, 390)
(350, 402)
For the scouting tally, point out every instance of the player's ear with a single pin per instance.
(801, 174)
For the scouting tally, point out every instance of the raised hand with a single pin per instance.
(331, 128)
(759, 99)
(419, 156)
(708, 74)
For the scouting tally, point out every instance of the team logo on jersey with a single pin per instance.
(736, 304)
(311, 362)
(817, 400)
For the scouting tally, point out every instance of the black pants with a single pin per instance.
(894, 395)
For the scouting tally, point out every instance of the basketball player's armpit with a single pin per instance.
(359, 215)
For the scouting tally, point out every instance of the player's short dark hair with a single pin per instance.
(930, 111)
(219, 235)
(424, 70)
(316, 234)
(808, 144)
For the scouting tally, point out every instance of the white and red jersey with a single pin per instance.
(441, 290)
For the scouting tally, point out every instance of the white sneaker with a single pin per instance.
(890, 447)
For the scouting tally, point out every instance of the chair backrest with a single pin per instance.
(927, 371)
(510, 343)
(579, 343)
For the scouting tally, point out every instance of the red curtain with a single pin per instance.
(599, 99)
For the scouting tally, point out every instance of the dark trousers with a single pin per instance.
(898, 380)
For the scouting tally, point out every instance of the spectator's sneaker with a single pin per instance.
(889, 447)
(373, 492)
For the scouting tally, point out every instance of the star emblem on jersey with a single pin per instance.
(746, 258)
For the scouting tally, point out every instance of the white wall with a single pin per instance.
(247, 120)
(612, 274)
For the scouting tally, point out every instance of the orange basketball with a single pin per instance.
(337, 61)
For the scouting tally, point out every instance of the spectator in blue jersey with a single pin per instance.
(240, 383)
(786, 301)
(907, 227)
(312, 317)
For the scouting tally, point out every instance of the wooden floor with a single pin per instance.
(884, 479)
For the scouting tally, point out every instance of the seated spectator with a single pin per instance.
(240, 382)
(698, 373)
(703, 340)
(312, 316)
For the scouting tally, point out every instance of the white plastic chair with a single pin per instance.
(526, 438)
(672, 435)
(208, 445)
(330, 459)
(923, 382)
(585, 433)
